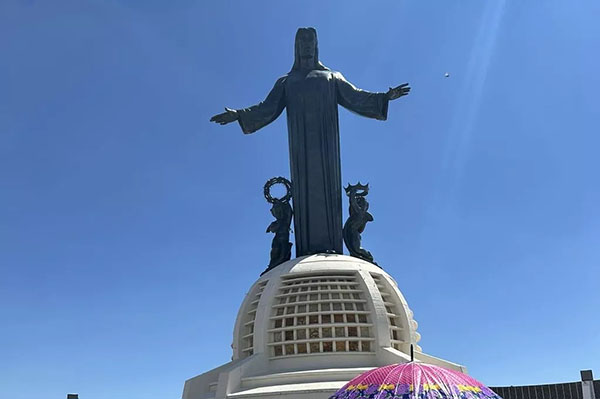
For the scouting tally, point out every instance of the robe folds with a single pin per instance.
(311, 99)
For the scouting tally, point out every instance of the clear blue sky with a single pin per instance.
(131, 228)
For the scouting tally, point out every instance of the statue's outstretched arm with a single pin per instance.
(365, 103)
(253, 118)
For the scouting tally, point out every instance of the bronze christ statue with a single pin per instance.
(310, 94)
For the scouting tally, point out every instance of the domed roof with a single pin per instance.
(324, 304)
(308, 326)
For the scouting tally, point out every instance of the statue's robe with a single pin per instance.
(310, 99)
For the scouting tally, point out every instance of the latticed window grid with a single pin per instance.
(248, 328)
(392, 311)
(320, 314)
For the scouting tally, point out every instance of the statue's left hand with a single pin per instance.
(397, 92)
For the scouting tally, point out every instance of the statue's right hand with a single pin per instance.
(226, 117)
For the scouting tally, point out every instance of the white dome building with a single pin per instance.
(310, 325)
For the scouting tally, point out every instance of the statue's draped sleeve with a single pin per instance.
(371, 105)
(253, 118)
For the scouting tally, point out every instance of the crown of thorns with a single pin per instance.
(358, 189)
(278, 180)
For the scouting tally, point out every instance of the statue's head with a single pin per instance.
(362, 203)
(280, 209)
(306, 50)
(306, 43)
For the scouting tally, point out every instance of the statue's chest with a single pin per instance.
(314, 86)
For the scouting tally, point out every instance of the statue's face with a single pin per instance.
(362, 203)
(308, 45)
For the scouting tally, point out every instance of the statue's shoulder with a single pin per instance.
(337, 75)
(282, 79)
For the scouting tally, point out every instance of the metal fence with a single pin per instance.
(568, 390)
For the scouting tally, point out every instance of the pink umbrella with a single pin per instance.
(414, 381)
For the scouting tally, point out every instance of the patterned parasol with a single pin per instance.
(414, 381)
